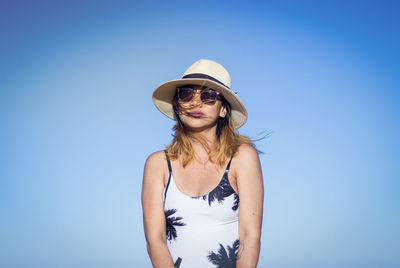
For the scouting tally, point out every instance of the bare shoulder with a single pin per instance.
(156, 166)
(245, 162)
(156, 158)
(246, 154)
(248, 173)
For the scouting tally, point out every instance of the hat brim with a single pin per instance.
(164, 94)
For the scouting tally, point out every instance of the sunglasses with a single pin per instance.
(207, 95)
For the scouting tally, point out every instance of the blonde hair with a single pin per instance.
(227, 144)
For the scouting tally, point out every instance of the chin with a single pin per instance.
(198, 126)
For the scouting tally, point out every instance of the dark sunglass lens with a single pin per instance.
(209, 96)
(185, 93)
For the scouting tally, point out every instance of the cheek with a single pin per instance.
(216, 110)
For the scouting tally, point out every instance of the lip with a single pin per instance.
(196, 114)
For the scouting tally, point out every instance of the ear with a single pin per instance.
(222, 111)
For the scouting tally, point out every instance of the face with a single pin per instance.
(199, 107)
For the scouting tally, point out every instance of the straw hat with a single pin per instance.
(204, 73)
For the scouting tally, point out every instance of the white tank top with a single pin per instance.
(202, 231)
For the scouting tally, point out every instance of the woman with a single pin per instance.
(203, 196)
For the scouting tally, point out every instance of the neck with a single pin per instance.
(207, 135)
(203, 142)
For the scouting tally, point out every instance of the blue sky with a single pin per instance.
(77, 123)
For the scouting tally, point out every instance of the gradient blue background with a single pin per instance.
(77, 123)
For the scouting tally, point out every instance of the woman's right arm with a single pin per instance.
(155, 171)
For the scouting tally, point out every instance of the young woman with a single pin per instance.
(202, 197)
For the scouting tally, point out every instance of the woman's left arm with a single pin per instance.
(251, 195)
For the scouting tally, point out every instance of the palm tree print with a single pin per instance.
(235, 202)
(177, 264)
(223, 190)
(171, 222)
(225, 258)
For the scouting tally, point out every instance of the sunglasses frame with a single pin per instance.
(203, 89)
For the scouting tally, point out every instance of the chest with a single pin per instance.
(197, 179)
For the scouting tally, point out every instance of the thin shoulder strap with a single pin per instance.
(170, 172)
(169, 162)
(229, 164)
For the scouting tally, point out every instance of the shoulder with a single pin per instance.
(246, 153)
(247, 171)
(246, 163)
(156, 166)
(156, 158)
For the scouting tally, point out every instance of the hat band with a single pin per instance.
(199, 75)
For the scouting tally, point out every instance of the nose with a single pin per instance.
(196, 97)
